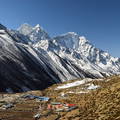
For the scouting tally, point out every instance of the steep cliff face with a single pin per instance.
(34, 34)
(84, 59)
(21, 68)
(30, 59)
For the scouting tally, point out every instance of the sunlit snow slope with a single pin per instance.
(31, 59)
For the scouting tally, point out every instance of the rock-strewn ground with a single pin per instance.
(102, 103)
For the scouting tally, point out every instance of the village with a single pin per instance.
(71, 100)
(56, 101)
(34, 104)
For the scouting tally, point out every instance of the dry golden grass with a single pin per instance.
(100, 104)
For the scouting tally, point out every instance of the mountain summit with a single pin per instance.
(35, 33)
(31, 59)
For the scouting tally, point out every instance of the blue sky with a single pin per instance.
(97, 20)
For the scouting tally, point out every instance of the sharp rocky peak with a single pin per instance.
(83, 40)
(35, 33)
(25, 29)
(65, 57)
(71, 40)
(37, 26)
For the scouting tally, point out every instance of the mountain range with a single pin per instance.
(30, 59)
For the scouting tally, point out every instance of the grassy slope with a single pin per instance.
(100, 104)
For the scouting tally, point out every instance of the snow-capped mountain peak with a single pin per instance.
(25, 29)
(35, 33)
(37, 26)
(83, 40)
(69, 40)
(65, 57)
(71, 33)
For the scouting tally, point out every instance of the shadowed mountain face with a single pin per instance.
(21, 69)
(2, 27)
(31, 60)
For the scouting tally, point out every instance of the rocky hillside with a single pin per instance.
(96, 99)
